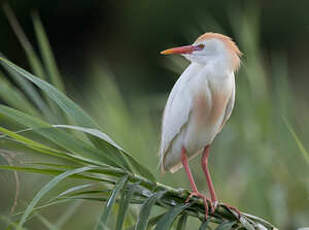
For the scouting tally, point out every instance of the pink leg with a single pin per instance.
(185, 164)
(194, 192)
(214, 200)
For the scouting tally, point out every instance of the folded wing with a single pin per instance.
(177, 109)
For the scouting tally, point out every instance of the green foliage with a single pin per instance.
(75, 149)
(298, 142)
(46, 188)
(145, 210)
(110, 202)
(167, 220)
(109, 166)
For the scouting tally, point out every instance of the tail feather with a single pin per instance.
(176, 166)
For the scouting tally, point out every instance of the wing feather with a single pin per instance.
(229, 107)
(177, 109)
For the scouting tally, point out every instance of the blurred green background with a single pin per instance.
(108, 53)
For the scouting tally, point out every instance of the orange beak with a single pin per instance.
(182, 50)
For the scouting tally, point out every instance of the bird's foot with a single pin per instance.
(214, 205)
(197, 194)
(233, 209)
(205, 200)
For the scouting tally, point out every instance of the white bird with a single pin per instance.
(198, 106)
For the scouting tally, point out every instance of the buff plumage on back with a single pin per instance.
(230, 44)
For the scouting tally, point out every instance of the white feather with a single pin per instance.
(179, 126)
(200, 102)
(178, 107)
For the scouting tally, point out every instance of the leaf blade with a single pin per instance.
(104, 137)
(123, 207)
(47, 54)
(204, 225)
(225, 225)
(35, 63)
(65, 103)
(109, 204)
(29, 90)
(181, 225)
(59, 137)
(300, 145)
(167, 220)
(143, 217)
(46, 189)
(106, 144)
(14, 97)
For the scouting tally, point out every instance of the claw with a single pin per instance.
(234, 209)
(197, 194)
(205, 200)
(213, 207)
(215, 204)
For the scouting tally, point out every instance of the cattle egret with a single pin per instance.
(198, 106)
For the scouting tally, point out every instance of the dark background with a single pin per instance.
(130, 34)
(108, 53)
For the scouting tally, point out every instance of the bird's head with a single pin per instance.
(210, 47)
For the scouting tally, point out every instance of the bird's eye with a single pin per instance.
(199, 47)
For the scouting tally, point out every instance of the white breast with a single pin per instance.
(194, 113)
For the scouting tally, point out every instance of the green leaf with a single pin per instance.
(259, 221)
(297, 140)
(93, 132)
(47, 54)
(11, 223)
(130, 228)
(106, 144)
(103, 137)
(51, 151)
(124, 205)
(71, 109)
(14, 97)
(204, 225)
(53, 172)
(35, 63)
(68, 213)
(45, 205)
(154, 220)
(246, 223)
(94, 194)
(167, 220)
(50, 185)
(29, 90)
(102, 224)
(104, 169)
(143, 171)
(26, 141)
(66, 104)
(73, 189)
(226, 225)
(59, 137)
(45, 221)
(181, 225)
(143, 217)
